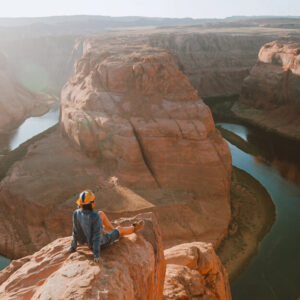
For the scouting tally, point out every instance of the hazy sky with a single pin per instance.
(151, 8)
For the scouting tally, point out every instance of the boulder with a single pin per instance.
(132, 268)
(194, 271)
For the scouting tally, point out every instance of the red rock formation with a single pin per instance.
(195, 272)
(273, 89)
(275, 79)
(130, 104)
(136, 107)
(152, 146)
(16, 102)
(133, 268)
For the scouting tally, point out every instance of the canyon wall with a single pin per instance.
(275, 79)
(271, 92)
(216, 63)
(215, 59)
(43, 64)
(16, 102)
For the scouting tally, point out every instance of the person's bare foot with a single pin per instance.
(139, 225)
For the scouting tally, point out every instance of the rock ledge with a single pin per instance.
(133, 268)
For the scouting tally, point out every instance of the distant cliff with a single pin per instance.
(271, 93)
(43, 64)
(216, 63)
(16, 102)
(275, 79)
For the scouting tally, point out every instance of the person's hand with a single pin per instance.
(98, 260)
(70, 250)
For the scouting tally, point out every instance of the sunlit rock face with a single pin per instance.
(130, 104)
(275, 79)
(273, 89)
(16, 102)
(194, 271)
(133, 268)
(133, 105)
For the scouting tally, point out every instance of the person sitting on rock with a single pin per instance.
(94, 228)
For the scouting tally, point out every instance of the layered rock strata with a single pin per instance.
(136, 134)
(16, 102)
(132, 268)
(131, 105)
(275, 79)
(195, 272)
(215, 62)
(272, 90)
(139, 109)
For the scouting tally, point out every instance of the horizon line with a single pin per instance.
(153, 17)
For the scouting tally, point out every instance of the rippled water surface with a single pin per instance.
(4, 262)
(274, 273)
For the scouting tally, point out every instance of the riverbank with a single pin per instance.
(238, 141)
(11, 139)
(44, 104)
(6, 161)
(229, 109)
(253, 214)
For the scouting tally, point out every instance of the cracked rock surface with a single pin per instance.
(53, 273)
(130, 103)
(194, 271)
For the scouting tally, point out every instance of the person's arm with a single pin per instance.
(74, 234)
(96, 231)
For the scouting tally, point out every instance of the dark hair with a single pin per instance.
(87, 207)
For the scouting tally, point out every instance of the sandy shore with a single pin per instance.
(253, 214)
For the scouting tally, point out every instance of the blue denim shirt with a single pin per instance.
(87, 229)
